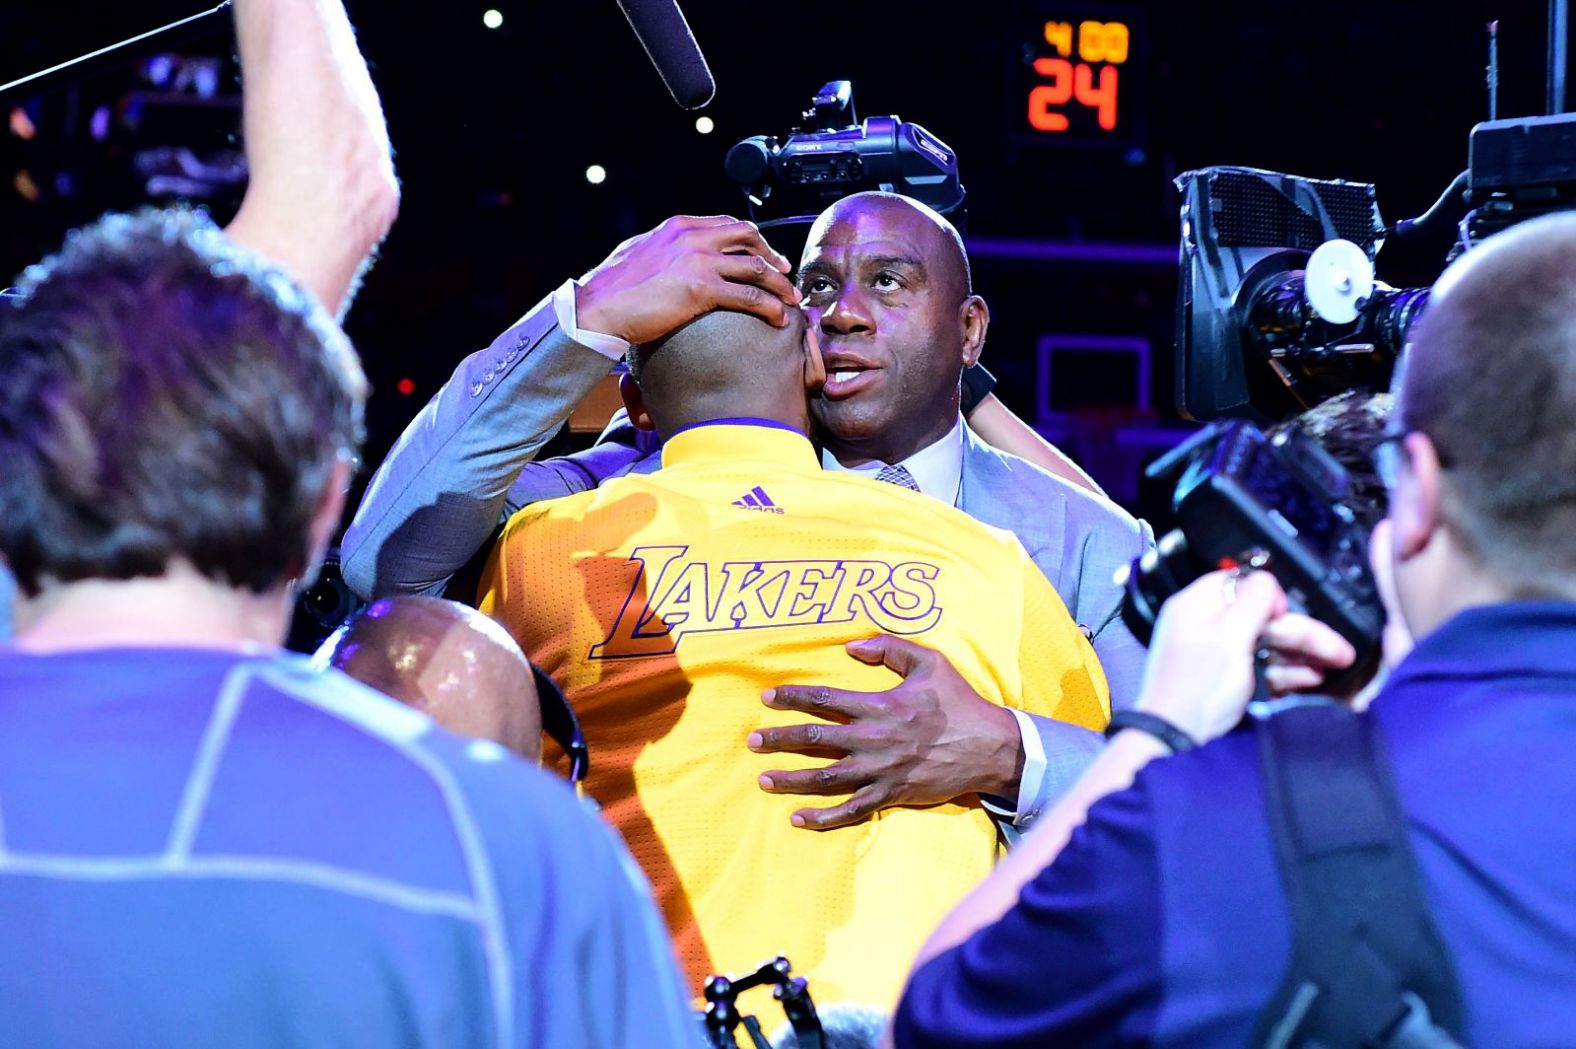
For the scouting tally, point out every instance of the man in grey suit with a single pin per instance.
(886, 281)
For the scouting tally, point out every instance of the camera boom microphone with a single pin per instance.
(660, 27)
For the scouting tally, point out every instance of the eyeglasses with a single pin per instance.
(1387, 455)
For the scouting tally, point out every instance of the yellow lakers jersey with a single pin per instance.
(665, 604)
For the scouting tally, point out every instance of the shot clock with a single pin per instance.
(1082, 79)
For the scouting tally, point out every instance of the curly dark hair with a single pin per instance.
(167, 395)
(1350, 427)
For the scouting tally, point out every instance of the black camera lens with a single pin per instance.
(748, 162)
(1151, 581)
(321, 607)
(329, 601)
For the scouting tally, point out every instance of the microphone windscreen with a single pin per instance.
(660, 27)
(848, 1025)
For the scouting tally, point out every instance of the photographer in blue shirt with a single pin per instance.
(1149, 907)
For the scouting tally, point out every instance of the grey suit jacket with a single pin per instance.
(1079, 540)
(464, 464)
(444, 486)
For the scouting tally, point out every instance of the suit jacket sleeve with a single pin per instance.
(1067, 736)
(619, 449)
(1104, 552)
(1096, 548)
(441, 491)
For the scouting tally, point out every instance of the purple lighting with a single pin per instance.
(1161, 255)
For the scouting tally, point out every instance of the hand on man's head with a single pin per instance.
(657, 282)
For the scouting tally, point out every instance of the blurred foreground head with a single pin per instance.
(169, 400)
(447, 660)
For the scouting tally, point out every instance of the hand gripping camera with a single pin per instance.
(1243, 497)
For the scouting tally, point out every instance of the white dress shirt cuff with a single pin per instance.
(609, 346)
(1033, 773)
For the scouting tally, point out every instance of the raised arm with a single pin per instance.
(322, 192)
(445, 485)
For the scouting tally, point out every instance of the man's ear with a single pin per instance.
(974, 316)
(814, 365)
(1414, 504)
(634, 403)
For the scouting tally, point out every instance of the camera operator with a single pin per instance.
(1163, 919)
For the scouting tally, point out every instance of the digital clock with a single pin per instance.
(1081, 79)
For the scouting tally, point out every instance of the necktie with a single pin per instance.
(899, 476)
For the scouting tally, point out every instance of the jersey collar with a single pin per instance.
(733, 439)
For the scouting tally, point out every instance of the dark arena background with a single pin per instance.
(931, 757)
(532, 137)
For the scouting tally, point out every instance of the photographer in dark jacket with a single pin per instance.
(1161, 918)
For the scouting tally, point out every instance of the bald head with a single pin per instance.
(723, 365)
(451, 662)
(886, 285)
(938, 239)
(1491, 379)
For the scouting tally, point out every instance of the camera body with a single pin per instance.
(833, 154)
(1242, 496)
(1518, 169)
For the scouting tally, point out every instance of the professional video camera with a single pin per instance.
(1277, 305)
(1243, 498)
(1277, 311)
(832, 154)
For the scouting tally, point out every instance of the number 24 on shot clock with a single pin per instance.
(1081, 79)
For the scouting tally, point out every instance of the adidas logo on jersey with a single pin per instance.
(757, 499)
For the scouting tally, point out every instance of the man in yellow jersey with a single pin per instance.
(666, 603)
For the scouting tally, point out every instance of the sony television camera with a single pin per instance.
(832, 154)
(1246, 498)
(1277, 305)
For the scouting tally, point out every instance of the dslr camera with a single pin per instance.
(1243, 497)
